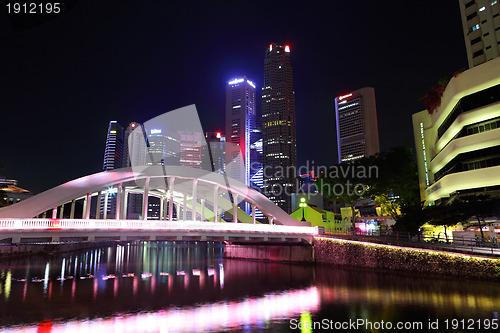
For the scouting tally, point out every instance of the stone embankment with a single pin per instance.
(406, 259)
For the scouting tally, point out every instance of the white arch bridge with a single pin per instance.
(150, 203)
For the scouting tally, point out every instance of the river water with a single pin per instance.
(188, 287)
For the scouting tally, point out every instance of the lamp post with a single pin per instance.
(303, 204)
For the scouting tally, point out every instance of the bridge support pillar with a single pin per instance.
(162, 208)
(152, 237)
(253, 214)
(216, 203)
(72, 211)
(54, 212)
(271, 220)
(202, 210)
(86, 206)
(171, 200)
(61, 212)
(118, 201)
(98, 209)
(16, 239)
(193, 210)
(56, 239)
(145, 200)
(91, 238)
(124, 205)
(235, 208)
(184, 208)
(105, 212)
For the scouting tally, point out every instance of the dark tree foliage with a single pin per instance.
(392, 176)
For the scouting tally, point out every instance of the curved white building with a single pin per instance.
(458, 146)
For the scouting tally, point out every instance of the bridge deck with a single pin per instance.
(66, 230)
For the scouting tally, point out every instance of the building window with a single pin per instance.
(475, 41)
(470, 102)
(474, 28)
(471, 16)
(477, 53)
(470, 3)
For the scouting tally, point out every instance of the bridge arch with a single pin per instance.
(183, 193)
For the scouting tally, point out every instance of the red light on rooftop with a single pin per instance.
(345, 96)
(287, 48)
(133, 125)
(270, 47)
(218, 135)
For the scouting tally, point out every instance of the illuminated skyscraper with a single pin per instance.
(242, 135)
(163, 148)
(278, 127)
(481, 23)
(214, 153)
(190, 149)
(357, 129)
(134, 148)
(113, 152)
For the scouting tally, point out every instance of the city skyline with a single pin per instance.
(120, 72)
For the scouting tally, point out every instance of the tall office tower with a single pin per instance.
(357, 129)
(481, 25)
(134, 148)
(278, 127)
(113, 158)
(163, 149)
(242, 132)
(190, 149)
(214, 153)
(113, 153)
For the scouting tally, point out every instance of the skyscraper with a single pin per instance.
(480, 24)
(278, 127)
(134, 147)
(357, 129)
(214, 153)
(242, 157)
(190, 149)
(113, 152)
(163, 148)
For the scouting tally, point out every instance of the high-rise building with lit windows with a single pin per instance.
(134, 145)
(243, 145)
(458, 145)
(357, 129)
(190, 149)
(481, 26)
(113, 152)
(162, 148)
(214, 153)
(278, 127)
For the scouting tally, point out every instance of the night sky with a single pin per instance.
(64, 78)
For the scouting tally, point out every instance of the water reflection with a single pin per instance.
(188, 287)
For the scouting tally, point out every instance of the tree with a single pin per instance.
(389, 176)
(346, 183)
(446, 215)
(479, 206)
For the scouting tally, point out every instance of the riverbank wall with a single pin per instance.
(395, 258)
(299, 253)
(21, 250)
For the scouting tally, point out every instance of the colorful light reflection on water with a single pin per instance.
(187, 287)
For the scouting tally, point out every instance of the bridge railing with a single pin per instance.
(68, 224)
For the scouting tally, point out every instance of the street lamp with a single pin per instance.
(303, 204)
